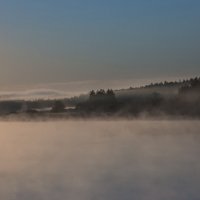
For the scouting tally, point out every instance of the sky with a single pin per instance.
(46, 42)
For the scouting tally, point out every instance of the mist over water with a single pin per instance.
(113, 160)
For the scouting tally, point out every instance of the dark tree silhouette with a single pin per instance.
(58, 106)
(92, 95)
(191, 86)
(110, 93)
(100, 101)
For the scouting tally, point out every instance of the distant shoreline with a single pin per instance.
(164, 100)
(23, 117)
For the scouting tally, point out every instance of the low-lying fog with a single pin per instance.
(98, 160)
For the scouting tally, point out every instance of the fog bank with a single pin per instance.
(89, 160)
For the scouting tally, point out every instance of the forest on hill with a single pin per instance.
(180, 98)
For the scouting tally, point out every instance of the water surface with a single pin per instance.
(113, 160)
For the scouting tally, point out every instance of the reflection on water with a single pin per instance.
(100, 160)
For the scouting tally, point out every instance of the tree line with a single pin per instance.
(186, 102)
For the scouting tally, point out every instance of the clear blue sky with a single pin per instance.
(76, 40)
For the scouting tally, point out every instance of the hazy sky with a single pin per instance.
(46, 41)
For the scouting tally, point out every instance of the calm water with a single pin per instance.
(97, 160)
